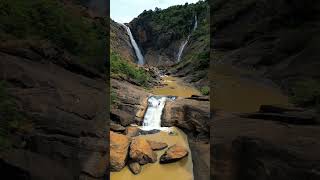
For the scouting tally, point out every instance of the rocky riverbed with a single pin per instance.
(186, 113)
(153, 156)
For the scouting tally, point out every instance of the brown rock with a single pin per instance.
(189, 114)
(173, 154)
(119, 145)
(141, 152)
(132, 131)
(123, 117)
(157, 145)
(134, 167)
(117, 127)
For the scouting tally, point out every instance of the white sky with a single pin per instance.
(124, 11)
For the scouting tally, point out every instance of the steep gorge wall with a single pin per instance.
(160, 33)
(55, 124)
(120, 41)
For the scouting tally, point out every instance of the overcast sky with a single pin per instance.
(125, 10)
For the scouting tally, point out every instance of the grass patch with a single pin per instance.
(205, 90)
(122, 67)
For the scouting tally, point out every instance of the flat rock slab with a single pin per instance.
(157, 145)
(119, 146)
(173, 154)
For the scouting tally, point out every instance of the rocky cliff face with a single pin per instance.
(64, 105)
(54, 122)
(120, 41)
(278, 39)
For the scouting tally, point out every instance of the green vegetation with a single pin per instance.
(178, 19)
(306, 93)
(125, 69)
(205, 90)
(11, 118)
(63, 25)
(203, 60)
(113, 97)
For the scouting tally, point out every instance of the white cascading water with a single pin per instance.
(152, 117)
(183, 45)
(135, 46)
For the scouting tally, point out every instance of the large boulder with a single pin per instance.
(190, 115)
(123, 117)
(173, 154)
(131, 102)
(141, 151)
(119, 146)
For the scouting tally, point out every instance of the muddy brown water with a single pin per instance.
(180, 170)
(237, 91)
(174, 87)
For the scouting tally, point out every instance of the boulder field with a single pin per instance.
(137, 151)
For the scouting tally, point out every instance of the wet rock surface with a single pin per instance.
(146, 132)
(173, 154)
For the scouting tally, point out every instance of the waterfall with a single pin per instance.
(152, 117)
(183, 45)
(195, 22)
(135, 46)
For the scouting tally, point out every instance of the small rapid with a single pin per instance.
(184, 43)
(152, 117)
(135, 46)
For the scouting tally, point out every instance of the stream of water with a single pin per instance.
(183, 45)
(152, 117)
(135, 46)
